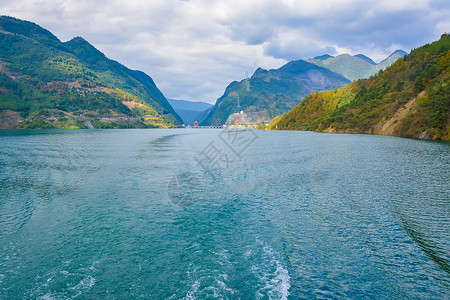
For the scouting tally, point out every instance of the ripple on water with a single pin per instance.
(265, 272)
(87, 214)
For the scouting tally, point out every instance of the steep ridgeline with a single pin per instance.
(190, 111)
(45, 83)
(355, 67)
(269, 93)
(411, 98)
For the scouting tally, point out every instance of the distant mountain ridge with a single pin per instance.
(269, 93)
(391, 59)
(357, 66)
(190, 111)
(323, 57)
(411, 98)
(367, 59)
(45, 83)
(189, 105)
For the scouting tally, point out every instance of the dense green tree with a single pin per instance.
(419, 80)
(38, 72)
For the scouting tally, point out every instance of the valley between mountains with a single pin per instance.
(46, 83)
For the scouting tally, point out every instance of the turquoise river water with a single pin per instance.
(206, 213)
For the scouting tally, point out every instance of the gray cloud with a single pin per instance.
(194, 49)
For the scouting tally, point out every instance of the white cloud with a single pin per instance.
(443, 27)
(401, 5)
(194, 49)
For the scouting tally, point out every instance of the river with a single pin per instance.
(207, 213)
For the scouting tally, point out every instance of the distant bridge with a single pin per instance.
(205, 127)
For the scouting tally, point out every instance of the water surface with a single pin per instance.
(170, 214)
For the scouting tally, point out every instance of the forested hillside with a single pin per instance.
(269, 93)
(45, 83)
(411, 98)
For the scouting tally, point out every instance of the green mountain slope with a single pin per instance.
(411, 98)
(355, 67)
(45, 83)
(269, 93)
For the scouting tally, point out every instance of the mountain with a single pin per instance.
(357, 66)
(367, 59)
(45, 83)
(190, 111)
(411, 98)
(189, 105)
(323, 57)
(269, 93)
(391, 59)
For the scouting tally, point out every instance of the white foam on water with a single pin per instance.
(216, 289)
(194, 245)
(46, 297)
(84, 285)
(207, 285)
(266, 264)
(194, 289)
(272, 274)
(224, 276)
(248, 253)
(280, 284)
(94, 264)
(223, 286)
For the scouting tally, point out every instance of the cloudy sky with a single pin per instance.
(194, 48)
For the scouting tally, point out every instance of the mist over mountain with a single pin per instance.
(190, 111)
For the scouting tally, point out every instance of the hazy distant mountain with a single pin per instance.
(369, 60)
(189, 105)
(391, 59)
(269, 93)
(411, 98)
(351, 67)
(190, 111)
(323, 57)
(355, 67)
(45, 83)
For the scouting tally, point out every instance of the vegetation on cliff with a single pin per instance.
(273, 92)
(411, 98)
(47, 81)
